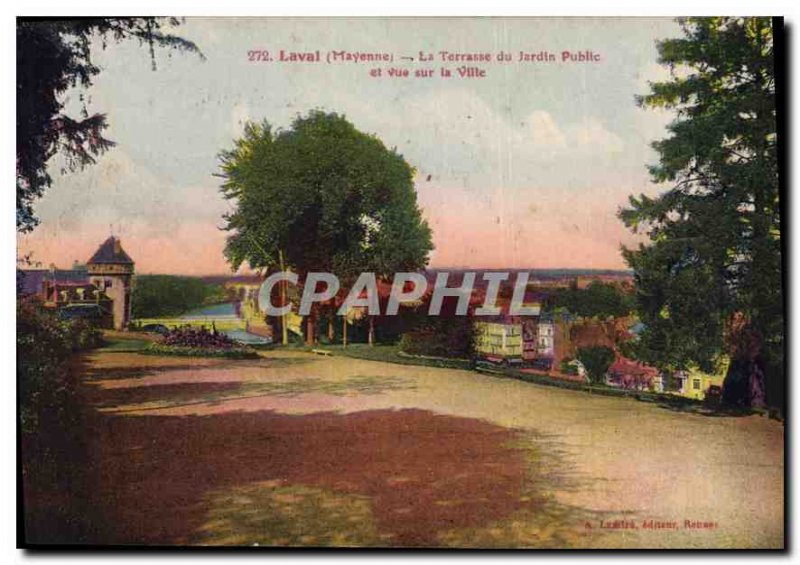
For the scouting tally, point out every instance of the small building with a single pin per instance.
(546, 337)
(102, 285)
(111, 271)
(40, 282)
(694, 383)
(630, 374)
(554, 341)
(499, 338)
(507, 337)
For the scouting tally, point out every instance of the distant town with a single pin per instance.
(545, 343)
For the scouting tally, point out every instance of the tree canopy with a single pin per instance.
(324, 195)
(597, 359)
(54, 55)
(714, 249)
(170, 295)
(598, 300)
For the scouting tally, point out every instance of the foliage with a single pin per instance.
(83, 335)
(167, 295)
(197, 337)
(445, 335)
(52, 57)
(236, 352)
(324, 195)
(331, 197)
(44, 347)
(598, 300)
(597, 359)
(714, 248)
(441, 337)
(199, 342)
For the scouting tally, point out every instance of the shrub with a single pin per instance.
(597, 359)
(199, 342)
(238, 352)
(44, 347)
(197, 338)
(419, 343)
(84, 335)
(446, 337)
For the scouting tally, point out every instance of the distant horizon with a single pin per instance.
(550, 271)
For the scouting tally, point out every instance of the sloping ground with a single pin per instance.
(295, 449)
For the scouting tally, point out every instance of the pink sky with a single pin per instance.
(557, 234)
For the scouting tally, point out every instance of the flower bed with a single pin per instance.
(199, 342)
(182, 351)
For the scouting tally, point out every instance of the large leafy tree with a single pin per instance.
(53, 56)
(322, 196)
(709, 280)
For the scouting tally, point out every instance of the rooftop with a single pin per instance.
(111, 252)
(31, 281)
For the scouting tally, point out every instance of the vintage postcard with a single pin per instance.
(401, 282)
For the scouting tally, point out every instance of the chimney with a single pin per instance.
(117, 246)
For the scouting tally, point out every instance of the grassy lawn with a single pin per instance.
(392, 354)
(123, 345)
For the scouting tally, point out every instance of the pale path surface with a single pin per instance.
(625, 459)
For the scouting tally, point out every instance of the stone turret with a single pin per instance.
(111, 270)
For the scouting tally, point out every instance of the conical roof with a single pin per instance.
(110, 252)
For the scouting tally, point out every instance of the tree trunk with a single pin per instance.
(371, 334)
(758, 397)
(311, 328)
(331, 321)
(744, 384)
(344, 330)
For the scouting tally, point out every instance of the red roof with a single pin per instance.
(69, 284)
(625, 366)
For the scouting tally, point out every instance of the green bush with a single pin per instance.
(84, 335)
(597, 360)
(446, 337)
(45, 346)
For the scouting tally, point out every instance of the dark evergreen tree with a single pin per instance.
(52, 56)
(709, 280)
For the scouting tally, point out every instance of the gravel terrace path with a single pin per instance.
(297, 449)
